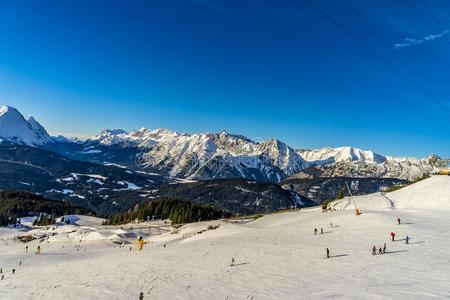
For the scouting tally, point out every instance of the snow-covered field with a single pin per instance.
(277, 256)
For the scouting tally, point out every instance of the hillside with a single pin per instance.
(57, 177)
(233, 195)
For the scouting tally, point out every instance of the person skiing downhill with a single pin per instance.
(393, 236)
(407, 239)
(380, 251)
(321, 230)
(374, 250)
(398, 220)
(384, 248)
(315, 231)
(328, 253)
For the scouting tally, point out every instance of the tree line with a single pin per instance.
(177, 210)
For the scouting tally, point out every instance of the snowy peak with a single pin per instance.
(333, 155)
(225, 155)
(211, 155)
(206, 155)
(15, 128)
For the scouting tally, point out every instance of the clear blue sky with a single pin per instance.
(255, 67)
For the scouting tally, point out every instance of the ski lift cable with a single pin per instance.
(334, 49)
(378, 56)
(394, 54)
(341, 54)
(436, 20)
(385, 43)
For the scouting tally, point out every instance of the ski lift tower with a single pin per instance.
(357, 211)
(444, 166)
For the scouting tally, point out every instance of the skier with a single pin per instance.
(140, 243)
(315, 231)
(374, 250)
(393, 236)
(38, 250)
(3, 277)
(384, 248)
(14, 271)
(398, 220)
(380, 251)
(321, 230)
(233, 261)
(331, 224)
(26, 249)
(328, 253)
(407, 239)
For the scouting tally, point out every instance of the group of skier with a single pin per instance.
(375, 250)
(392, 234)
(381, 250)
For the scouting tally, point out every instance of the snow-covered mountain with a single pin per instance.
(210, 155)
(224, 155)
(205, 155)
(15, 128)
(332, 155)
(353, 162)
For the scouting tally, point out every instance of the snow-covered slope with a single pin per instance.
(429, 194)
(276, 257)
(17, 129)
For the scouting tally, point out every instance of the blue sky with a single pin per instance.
(262, 68)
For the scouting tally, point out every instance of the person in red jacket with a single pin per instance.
(393, 236)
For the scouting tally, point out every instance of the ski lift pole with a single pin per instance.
(357, 211)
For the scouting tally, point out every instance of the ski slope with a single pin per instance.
(277, 256)
(430, 194)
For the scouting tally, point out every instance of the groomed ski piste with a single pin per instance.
(276, 256)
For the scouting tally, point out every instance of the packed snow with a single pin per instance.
(275, 257)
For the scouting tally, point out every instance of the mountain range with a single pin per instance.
(209, 155)
(122, 161)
